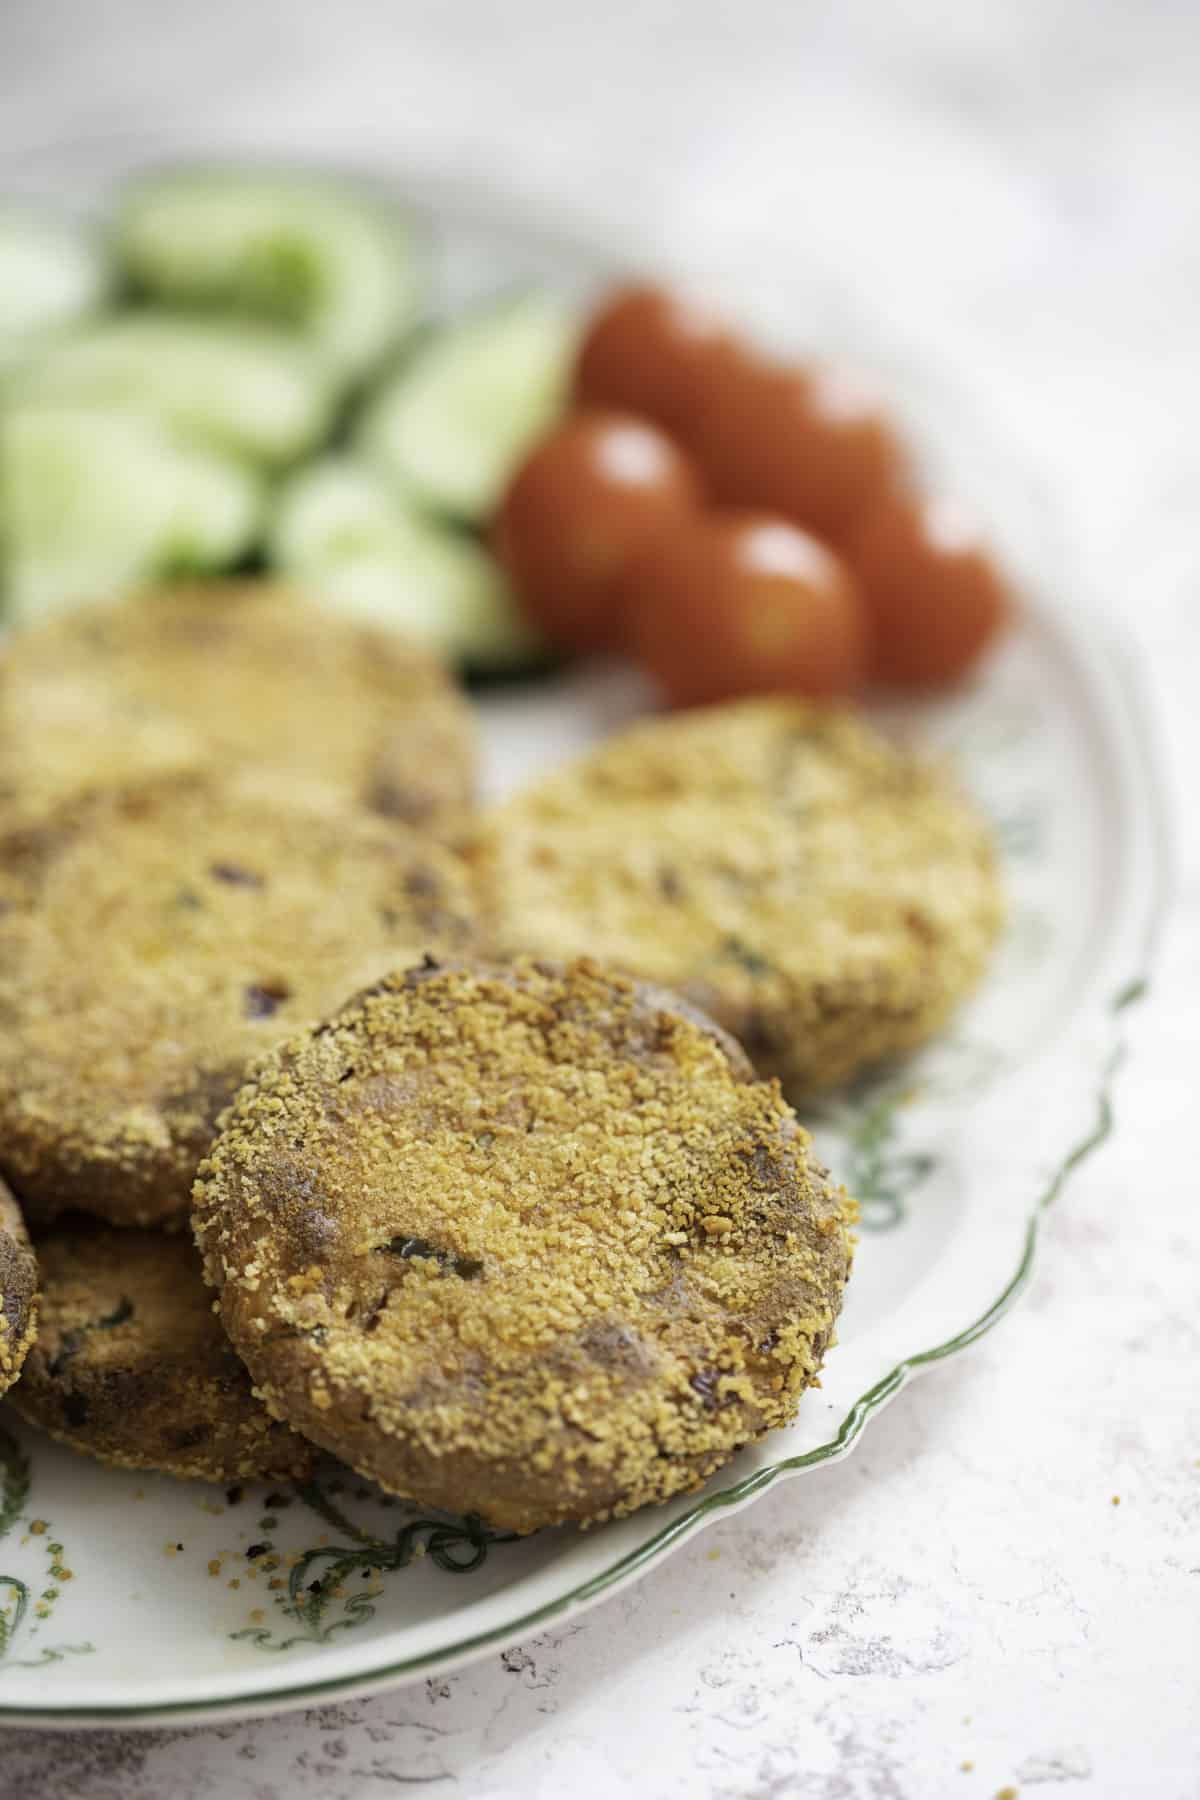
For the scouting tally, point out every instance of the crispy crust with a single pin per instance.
(526, 1242)
(243, 672)
(131, 1365)
(153, 940)
(827, 897)
(18, 1290)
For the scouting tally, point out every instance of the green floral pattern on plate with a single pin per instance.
(15, 1473)
(320, 1579)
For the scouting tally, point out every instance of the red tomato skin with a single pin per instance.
(935, 597)
(742, 603)
(651, 351)
(805, 442)
(585, 501)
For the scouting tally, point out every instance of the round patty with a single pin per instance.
(826, 896)
(131, 1364)
(247, 672)
(155, 939)
(530, 1243)
(18, 1290)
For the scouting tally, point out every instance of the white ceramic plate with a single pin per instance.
(132, 1598)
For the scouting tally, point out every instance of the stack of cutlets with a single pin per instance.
(495, 1203)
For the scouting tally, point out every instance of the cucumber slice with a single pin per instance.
(94, 503)
(444, 590)
(246, 388)
(454, 422)
(329, 509)
(50, 275)
(325, 257)
(352, 544)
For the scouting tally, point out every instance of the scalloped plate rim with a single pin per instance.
(1114, 666)
(1111, 996)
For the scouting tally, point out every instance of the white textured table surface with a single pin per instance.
(960, 1608)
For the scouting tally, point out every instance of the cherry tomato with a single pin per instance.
(809, 444)
(934, 596)
(650, 351)
(745, 603)
(588, 498)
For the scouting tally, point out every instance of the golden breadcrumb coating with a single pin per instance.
(18, 1290)
(827, 897)
(131, 1364)
(530, 1242)
(153, 940)
(245, 672)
